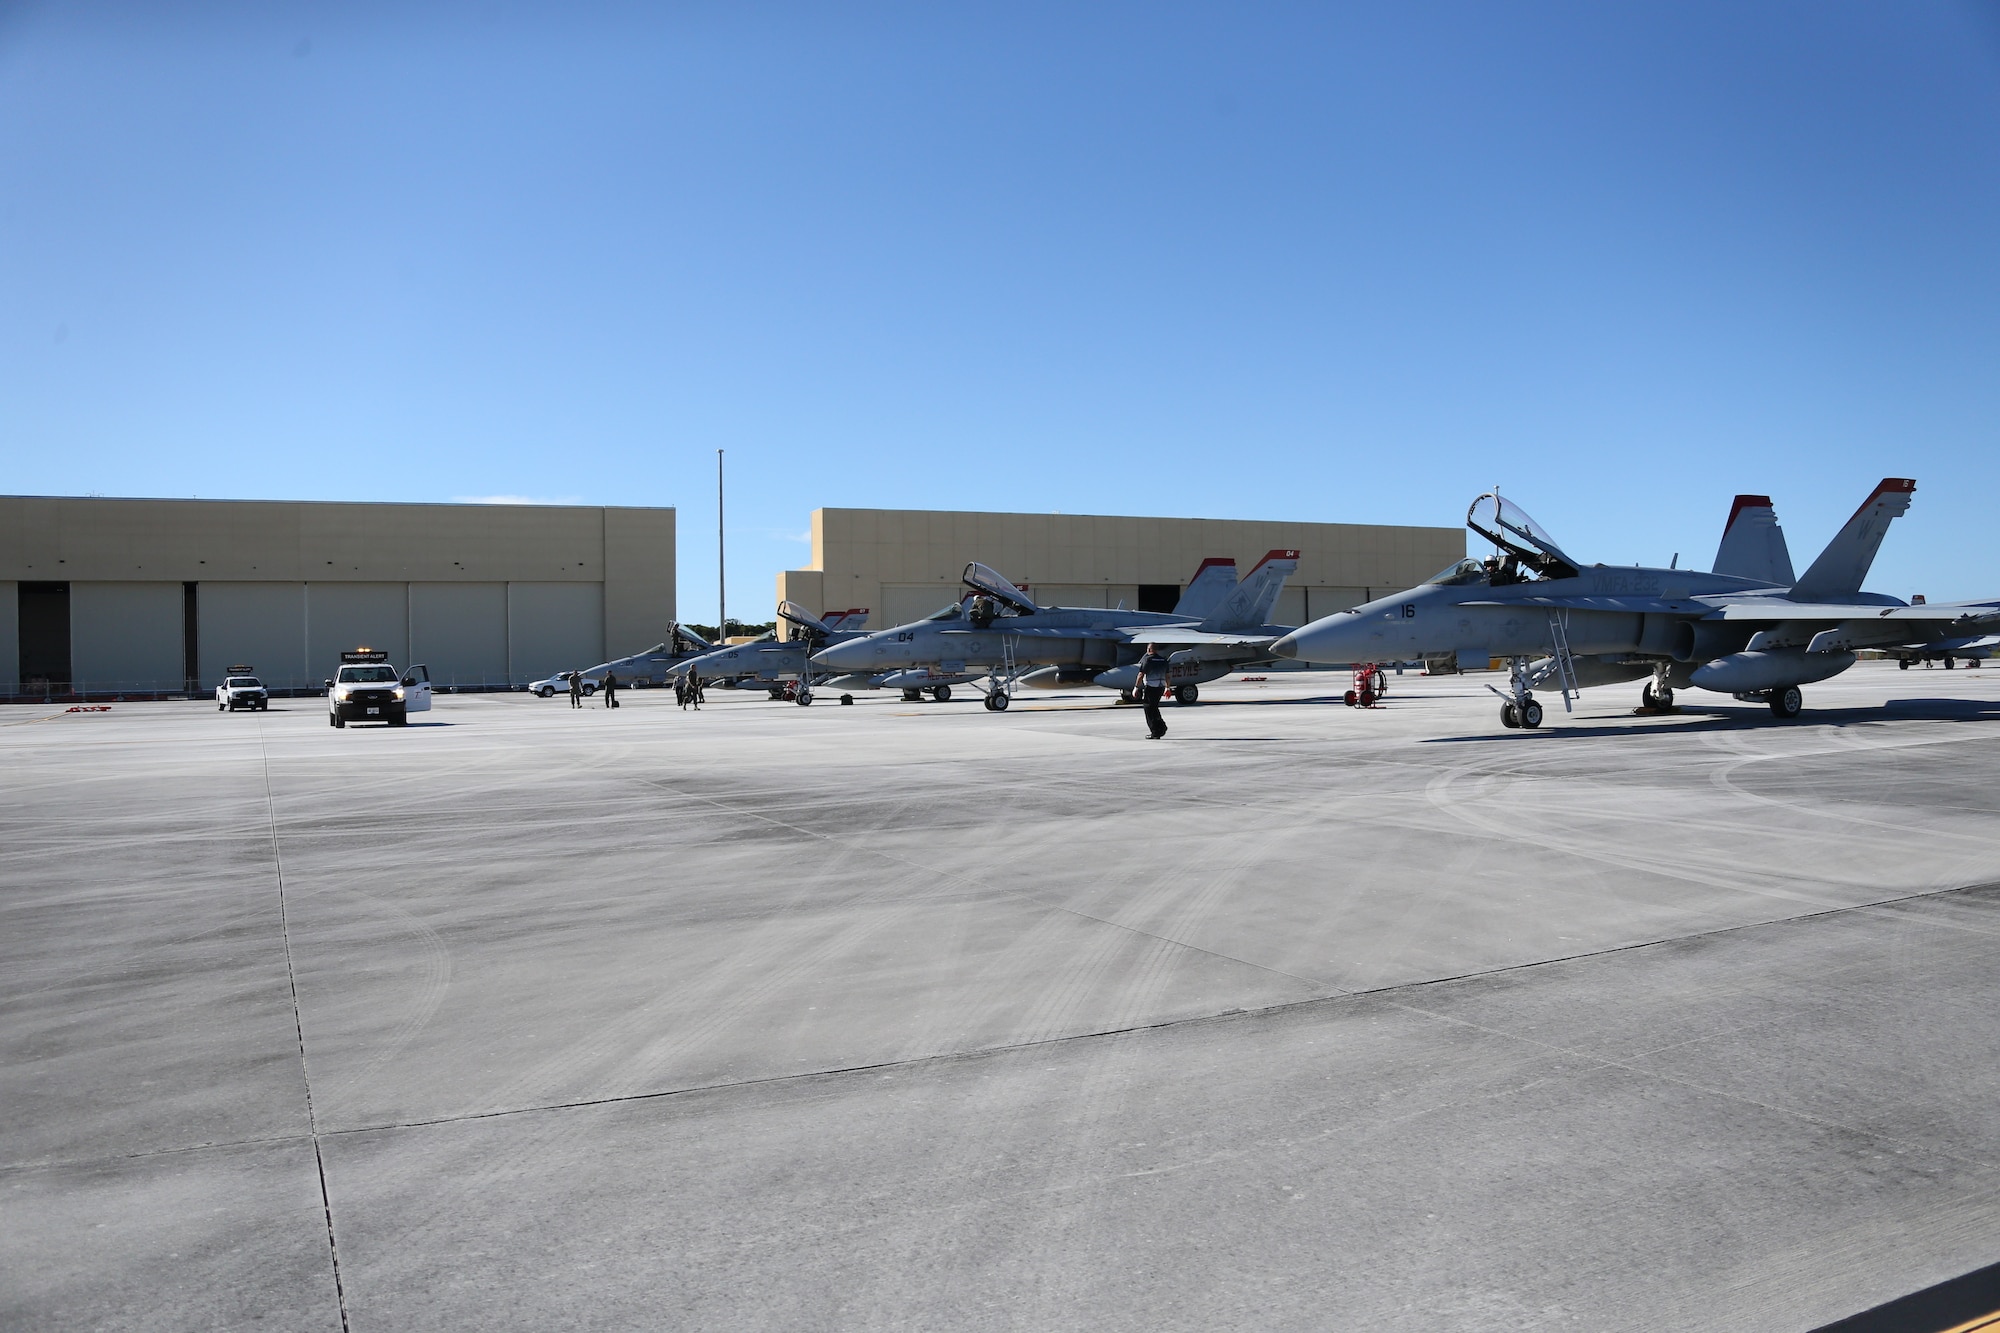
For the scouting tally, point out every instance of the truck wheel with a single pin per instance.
(545, 693)
(337, 719)
(399, 719)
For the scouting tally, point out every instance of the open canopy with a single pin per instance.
(982, 579)
(804, 619)
(1508, 527)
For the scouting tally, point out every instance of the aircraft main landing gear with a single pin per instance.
(1186, 694)
(1786, 702)
(1656, 698)
(913, 696)
(940, 693)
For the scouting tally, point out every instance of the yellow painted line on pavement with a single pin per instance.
(1979, 1325)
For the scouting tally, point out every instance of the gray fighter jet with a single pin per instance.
(1570, 625)
(1001, 634)
(767, 662)
(1951, 652)
(656, 666)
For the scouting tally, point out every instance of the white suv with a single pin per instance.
(370, 690)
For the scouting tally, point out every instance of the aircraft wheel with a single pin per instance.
(1902, 664)
(1187, 694)
(1126, 697)
(1510, 716)
(1947, 662)
(998, 702)
(1787, 702)
(913, 696)
(803, 698)
(1531, 714)
(940, 693)
(846, 699)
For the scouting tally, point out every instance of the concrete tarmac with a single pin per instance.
(919, 1016)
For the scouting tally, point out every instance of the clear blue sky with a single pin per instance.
(1327, 262)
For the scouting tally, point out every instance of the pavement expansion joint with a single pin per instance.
(298, 1026)
(1388, 994)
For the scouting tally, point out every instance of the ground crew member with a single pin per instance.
(610, 690)
(576, 689)
(1153, 685)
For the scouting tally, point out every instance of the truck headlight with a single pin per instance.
(342, 694)
(399, 691)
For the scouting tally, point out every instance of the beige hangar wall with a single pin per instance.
(902, 564)
(483, 594)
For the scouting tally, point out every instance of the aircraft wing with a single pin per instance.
(1626, 602)
(1000, 627)
(1190, 637)
(1769, 610)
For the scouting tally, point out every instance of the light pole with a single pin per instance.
(721, 579)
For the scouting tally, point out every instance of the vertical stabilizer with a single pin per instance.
(1753, 545)
(1250, 603)
(853, 618)
(1205, 591)
(1844, 564)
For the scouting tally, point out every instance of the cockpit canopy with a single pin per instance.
(804, 619)
(981, 579)
(954, 611)
(1452, 576)
(1508, 527)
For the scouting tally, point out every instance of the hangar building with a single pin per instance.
(902, 564)
(104, 597)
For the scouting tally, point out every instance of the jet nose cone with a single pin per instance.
(839, 655)
(1287, 646)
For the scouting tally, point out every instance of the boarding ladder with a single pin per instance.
(1563, 667)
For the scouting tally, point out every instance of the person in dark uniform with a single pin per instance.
(694, 692)
(576, 689)
(1152, 687)
(610, 690)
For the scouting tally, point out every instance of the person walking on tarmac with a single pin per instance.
(610, 690)
(576, 689)
(1153, 685)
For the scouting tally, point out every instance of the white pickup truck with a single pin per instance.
(368, 689)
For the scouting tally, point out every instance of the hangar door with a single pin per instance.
(554, 627)
(258, 625)
(340, 616)
(125, 636)
(459, 631)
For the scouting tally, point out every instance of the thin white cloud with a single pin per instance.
(517, 499)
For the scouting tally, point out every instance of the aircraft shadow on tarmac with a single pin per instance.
(1722, 718)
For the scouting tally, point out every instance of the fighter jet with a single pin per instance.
(768, 662)
(1562, 622)
(656, 666)
(1202, 653)
(1951, 652)
(1001, 634)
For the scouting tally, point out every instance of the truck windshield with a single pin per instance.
(366, 675)
(244, 683)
